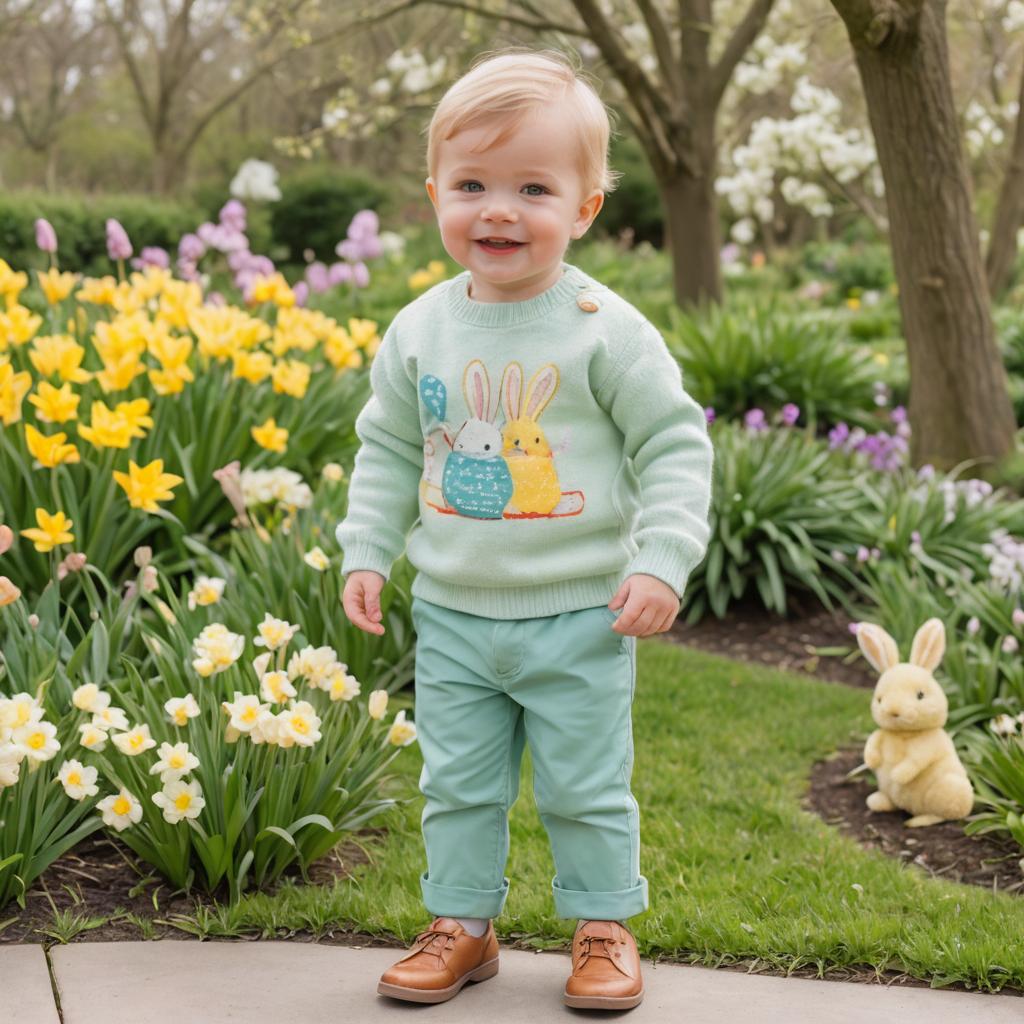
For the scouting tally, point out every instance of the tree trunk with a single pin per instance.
(1002, 246)
(959, 404)
(692, 233)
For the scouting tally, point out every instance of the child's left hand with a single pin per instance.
(651, 606)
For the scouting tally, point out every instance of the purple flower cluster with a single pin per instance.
(362, 242)
(887, 451)
(227, 236)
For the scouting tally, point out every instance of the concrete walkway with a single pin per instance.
(190, 982)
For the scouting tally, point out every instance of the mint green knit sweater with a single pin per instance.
(539, 452)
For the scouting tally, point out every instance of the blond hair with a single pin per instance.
(510, 84)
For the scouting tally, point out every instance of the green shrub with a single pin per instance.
(316, 207)
(736, 358)
(80, 223)
(778, 512)
(636, 201)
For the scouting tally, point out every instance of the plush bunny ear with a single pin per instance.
(476, 386)
(541, 389)
(512, 390)
(878, 647)
(929, 645)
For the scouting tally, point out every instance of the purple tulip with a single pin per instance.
(318, 277)
(301, 291)
(898, 415)
(837, 436)
(46, 237)
(709, 414)
(338, 273)
(191, 247)
(119, 246)
(790, 414)
(152, 256)
(232, 215)
(754, 420)
(360, 275)
(364, 223)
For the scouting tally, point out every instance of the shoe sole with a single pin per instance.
(439, 995)
(603, 1002)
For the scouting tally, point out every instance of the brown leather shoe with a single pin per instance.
(605, 968)
(442, 959)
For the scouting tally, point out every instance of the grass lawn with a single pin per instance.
(736, 869)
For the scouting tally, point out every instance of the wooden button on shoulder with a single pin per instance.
(587, 303)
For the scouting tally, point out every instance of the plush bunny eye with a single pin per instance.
(536, 440)
(517, 440)
(920, 694)
(487, 447)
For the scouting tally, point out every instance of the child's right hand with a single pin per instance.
(361, 600)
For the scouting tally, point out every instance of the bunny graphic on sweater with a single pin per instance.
(911, 754)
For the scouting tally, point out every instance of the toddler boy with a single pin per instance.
(530, 427)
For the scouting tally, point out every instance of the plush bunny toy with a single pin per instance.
(912, 756)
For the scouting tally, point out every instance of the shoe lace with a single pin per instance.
(603, 950)
(437, 941)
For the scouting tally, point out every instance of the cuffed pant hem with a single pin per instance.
(600, 906)
(454, 901)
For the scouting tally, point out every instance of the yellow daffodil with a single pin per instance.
(270, 436)
(177, 300)
(254, 367)
(170, 350)
(882, 358)
(146, 485)
(18, 325)
(122, 336)
(224, 330)
(56, 286)
(52, 530)
(60, 354)
(272, 288)
(50, 451)
(171, 381)
(291, 377)
(13, 388)
(12, 282)
(401, 733)
(118, 375)
(53, 405)
(341, 351)
(98, 290)
(114, 428)
(853, 302)
(363, 332)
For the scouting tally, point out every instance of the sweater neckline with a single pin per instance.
(505, 314)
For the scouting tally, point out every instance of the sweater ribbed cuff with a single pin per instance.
(671, 565)
(366, 556)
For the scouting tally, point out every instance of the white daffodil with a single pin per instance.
(276, 687)
(181, 709)
(217, 649)
(341, 686)
(78, 780)
(259, 664)
(401, 733)
(377, 705)
(110, 717)
(206, 590)
(333, 472)
(89, 697)
(1003, 725)
(274, 633)
(266, 730)
(10, 764)
(299, 725)
(121, 810)
(180, 799)
(135, 741)
(245, 711)
(316, 559)
(21, 709)
(315, 663)
(175, 760)
(92, 737)
(36, 740)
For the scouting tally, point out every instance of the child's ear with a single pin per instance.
(432, 191)
(588, 211)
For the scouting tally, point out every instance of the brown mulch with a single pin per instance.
(750, 633)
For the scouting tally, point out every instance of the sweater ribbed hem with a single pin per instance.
(519, 602)
(366, 556)
(506, 314)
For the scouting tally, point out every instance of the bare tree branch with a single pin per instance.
(743, 35)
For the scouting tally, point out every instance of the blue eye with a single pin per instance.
(468, 183)
(541, 187)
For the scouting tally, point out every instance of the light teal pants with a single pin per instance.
(484, 687)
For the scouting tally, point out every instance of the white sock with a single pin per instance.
(476, 926)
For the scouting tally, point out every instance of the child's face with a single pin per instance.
(527, 189)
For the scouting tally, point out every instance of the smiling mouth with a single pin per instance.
(499, 246)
